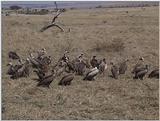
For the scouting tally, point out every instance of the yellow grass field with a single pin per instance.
(106, 32)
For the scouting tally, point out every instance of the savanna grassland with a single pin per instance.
(113, 33)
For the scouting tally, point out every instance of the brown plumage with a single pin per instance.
(41, 53)
(27, 70)
(94, 62)
(42, 71)
(59, 68)
(86, 62)
(70, 67)
(45, 68)
(80, 68)
(141, 73)
(66, 80)
(42, 64)
(46, 81)
(35, 62)
(138, 69)
(13, 68)
(23, 71)
(115, 71)
(65, 57)
(123, 67)
(154, 74)
(102, 66)
(13, 55)
(46, 60)
(139, 65)
(91, 74)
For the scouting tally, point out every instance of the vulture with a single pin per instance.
(41, 53)
(66, 80)
(91, 74)
(138, 69)
(45, 60)
(46, 81)
(59, 68)
(21, 61)
(34, 61)
(40, 74)
(102, 66)
(61, 63)
(94, 62)
(115, 71)
(13, 55)
(45, 68)
(23, 71)
(80, 67)
(154, 74)
(123, 67)
(65, 57)
(141, 72)
(139, 65)
(79, 58)
(38, 62)
(86, 62)
(42, 71)
(17, 74)
(27, 69)
(70, 66)
(13, 69)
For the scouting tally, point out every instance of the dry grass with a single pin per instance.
(113, 46)
(110, 33)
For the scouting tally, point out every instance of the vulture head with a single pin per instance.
(43, 50)
(141, 58)
(104, 60)
(9, 64)
(80, 55)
